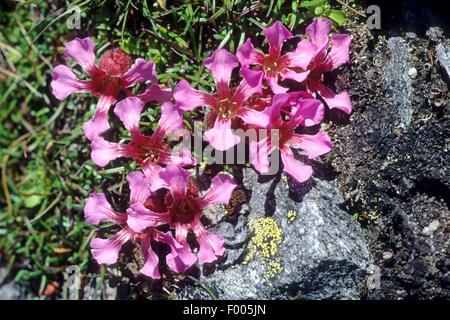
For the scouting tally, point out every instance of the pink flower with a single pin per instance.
(274, 65)
(320, 63)
(107, 251)
(148, 152)
(262, 102)
(306, 113)
(112, 75)
(227, 105)
(183, 207)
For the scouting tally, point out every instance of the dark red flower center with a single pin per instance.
(259, 102)
(184, 210)
(281, 133)
(102, 84)
(160, 201)
(146, 149)
(272, 64)
(115, 62)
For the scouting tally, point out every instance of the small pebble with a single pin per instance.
(387, 255)
(412, 72)
(432, 227)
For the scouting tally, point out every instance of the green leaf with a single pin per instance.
(338, 16)
(311, 4)
(35, 185)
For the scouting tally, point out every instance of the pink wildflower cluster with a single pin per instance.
(165, 205)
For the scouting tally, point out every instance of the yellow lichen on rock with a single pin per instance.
(273, 266)
(266, 236)
(291, 215)
(286, 180)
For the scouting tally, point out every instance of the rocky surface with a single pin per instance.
(443, 56)
(395, 173)
(298, 244)
(398, 80)
(10, 290)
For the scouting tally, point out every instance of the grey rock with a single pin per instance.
(398, 80)
(432, 227)
(321, 255)
(9, 290)
(443, 56)
(3, 273)
(435, 33)
(235, 237)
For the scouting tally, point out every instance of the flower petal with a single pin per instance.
(273, 112)
(171, 119)
(251, 84)
(129, 112)
(183, 158)
(181, 231)
(247, 55)
(318, 31)
(338, 55)
(65, 83)
(97, 208)
(272, 80)
(157, 94)
(259, 155)
(176, 180)
(296, 76)
(276, 35)
(104, 151)
(107, 250)
(339, 101)
(140, 72)
(151, 259)
(307, 112)
(300, 172)
(315, 145)
(221, 137)
(82, 51)
(99, 122)
(211, 246)
(139, 187)
(188, 98)
(302, 55)
(180, 257)
(221, 64)
(253, 117)
(152, 171)
(140, 218)
(222, 187)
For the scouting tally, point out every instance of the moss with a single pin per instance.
(237, 198)
(263, 245)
